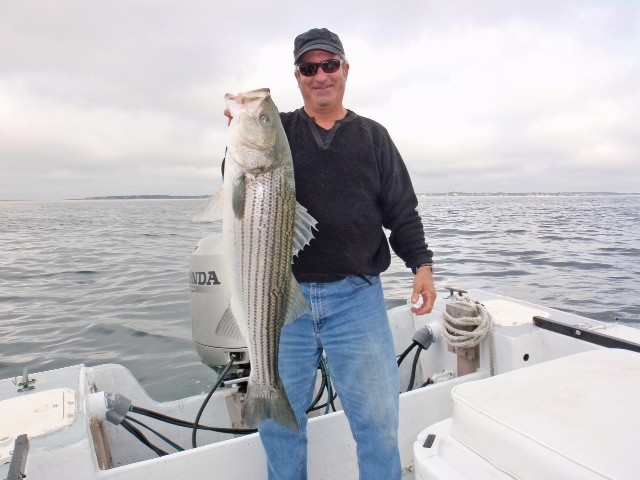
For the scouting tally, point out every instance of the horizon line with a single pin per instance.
(452, 193)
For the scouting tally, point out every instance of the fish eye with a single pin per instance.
(264, 119)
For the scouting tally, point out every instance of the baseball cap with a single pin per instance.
(316, 39)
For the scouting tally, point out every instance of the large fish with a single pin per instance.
(263, 227)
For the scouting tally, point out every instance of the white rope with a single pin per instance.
(456, 336)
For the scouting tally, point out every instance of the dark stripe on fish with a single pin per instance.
(238, 196)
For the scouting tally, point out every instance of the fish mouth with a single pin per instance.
(248, 102)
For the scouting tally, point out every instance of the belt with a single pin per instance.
(325, 277)
(319, 277)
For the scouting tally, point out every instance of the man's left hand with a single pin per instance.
(424, 287)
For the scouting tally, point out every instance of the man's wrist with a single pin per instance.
(429, 265)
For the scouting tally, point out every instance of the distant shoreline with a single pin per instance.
(447, 194)
(420, 195)
(145, 197)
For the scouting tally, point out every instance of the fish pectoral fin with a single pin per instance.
(297, 304)
(228, 326)
(302, 230)
(238, 196)
(211, 210)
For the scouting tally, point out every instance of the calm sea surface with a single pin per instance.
(107, 281)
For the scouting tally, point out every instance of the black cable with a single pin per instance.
(414, 367)
(406, 352)
(332, 397)
(206, 400)
(323, 385)
(158, 434)
(139, 435)
(324, 405)
(183, 423)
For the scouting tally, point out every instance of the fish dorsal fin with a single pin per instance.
(211, 210)
(302, 230)
(228, 326)
(297, 305)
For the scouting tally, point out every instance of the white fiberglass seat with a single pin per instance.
(576, 417)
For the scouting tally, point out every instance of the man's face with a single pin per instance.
(324, 91)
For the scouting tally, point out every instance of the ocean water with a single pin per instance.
(107, 280)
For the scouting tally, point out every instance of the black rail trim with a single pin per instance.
(579, 333)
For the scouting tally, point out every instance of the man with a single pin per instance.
(352, 180)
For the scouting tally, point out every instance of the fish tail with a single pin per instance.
(258, 408)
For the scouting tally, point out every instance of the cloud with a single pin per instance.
(127, 97)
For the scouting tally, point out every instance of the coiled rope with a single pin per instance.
(457, 333)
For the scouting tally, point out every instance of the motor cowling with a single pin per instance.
(208, 281)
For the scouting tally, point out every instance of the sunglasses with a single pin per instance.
(328, 66)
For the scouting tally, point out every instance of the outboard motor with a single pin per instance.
(209, 300)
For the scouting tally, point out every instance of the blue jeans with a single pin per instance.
(348, 320)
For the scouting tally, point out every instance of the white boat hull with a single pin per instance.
(71, 451)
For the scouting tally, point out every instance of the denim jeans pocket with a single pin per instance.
(362, 281)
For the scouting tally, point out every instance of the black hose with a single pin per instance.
(323, 385)
(158, 434)
(324, 405)
(333, 406)
(406, 352)
(414, 368)
(206, 400)
(330, 395)
(139, 435)
(183, 423)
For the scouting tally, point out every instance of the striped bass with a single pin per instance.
(263, 227)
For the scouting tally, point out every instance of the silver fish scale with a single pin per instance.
(266, 236)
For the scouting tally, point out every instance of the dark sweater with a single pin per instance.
(353, 181)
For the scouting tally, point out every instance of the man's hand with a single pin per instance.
(424, 287)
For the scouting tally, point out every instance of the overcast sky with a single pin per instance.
(126, 97)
